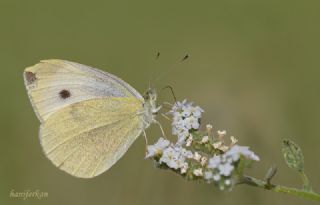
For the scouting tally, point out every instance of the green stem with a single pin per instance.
(278, 188)
(306, 182)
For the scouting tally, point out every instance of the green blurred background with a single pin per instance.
(254, 68)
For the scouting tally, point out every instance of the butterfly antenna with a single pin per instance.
(187, 56)
(171, 89)
(152, 72)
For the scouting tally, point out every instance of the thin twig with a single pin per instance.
(279, 188)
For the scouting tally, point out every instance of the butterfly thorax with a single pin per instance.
(150, 107)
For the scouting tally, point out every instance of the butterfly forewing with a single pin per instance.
(53, 84)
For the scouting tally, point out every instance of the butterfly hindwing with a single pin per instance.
(88, 137)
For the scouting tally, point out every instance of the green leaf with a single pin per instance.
(293, 155)
(294, 158)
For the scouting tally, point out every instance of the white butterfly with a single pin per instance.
(89, 118)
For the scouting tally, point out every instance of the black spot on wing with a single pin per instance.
(64, 94)
(30, 77)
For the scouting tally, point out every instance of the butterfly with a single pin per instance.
(89, 118)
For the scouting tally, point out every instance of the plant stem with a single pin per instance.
(306, 182)
(278, 188)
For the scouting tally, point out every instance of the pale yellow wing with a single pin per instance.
(87, 138)
(54, 84)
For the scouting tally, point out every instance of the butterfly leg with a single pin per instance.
(166, 105)
(163, 134)
(146, 140)
(165, 116)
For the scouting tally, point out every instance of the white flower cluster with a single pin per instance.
(185, 117)
(174, 156)
(202, 162)
(222, 165)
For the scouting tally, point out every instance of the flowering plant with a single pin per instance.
(212, 158)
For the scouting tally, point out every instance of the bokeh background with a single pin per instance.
(254, 68)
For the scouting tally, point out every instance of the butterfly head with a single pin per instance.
(150, 98)
(151, 108)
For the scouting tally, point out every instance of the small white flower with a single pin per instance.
(214, 162)
(216, 177)
(209, 126)
(178, 106)
(216, 145)
(198, 172)
(225, 169)
(221, 134)
(197, 156)
(177, 116)
(233, 140)
(221, 187)
(182, 136)
(229, 160)
(175, 157)
(197, 111)
(187, 154)
(187, 111)
(223, 148)
(171, 158)
(219, 145)
(183, 152)
(183, 132)
(208, 175)
(157, 148)
(227, 182)
(203, 160)
(184, 168)
(209, 129)
(254, 157)
(189, 141)
(237, 150)
(192, 122)
(224, 158)
(205, 139)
